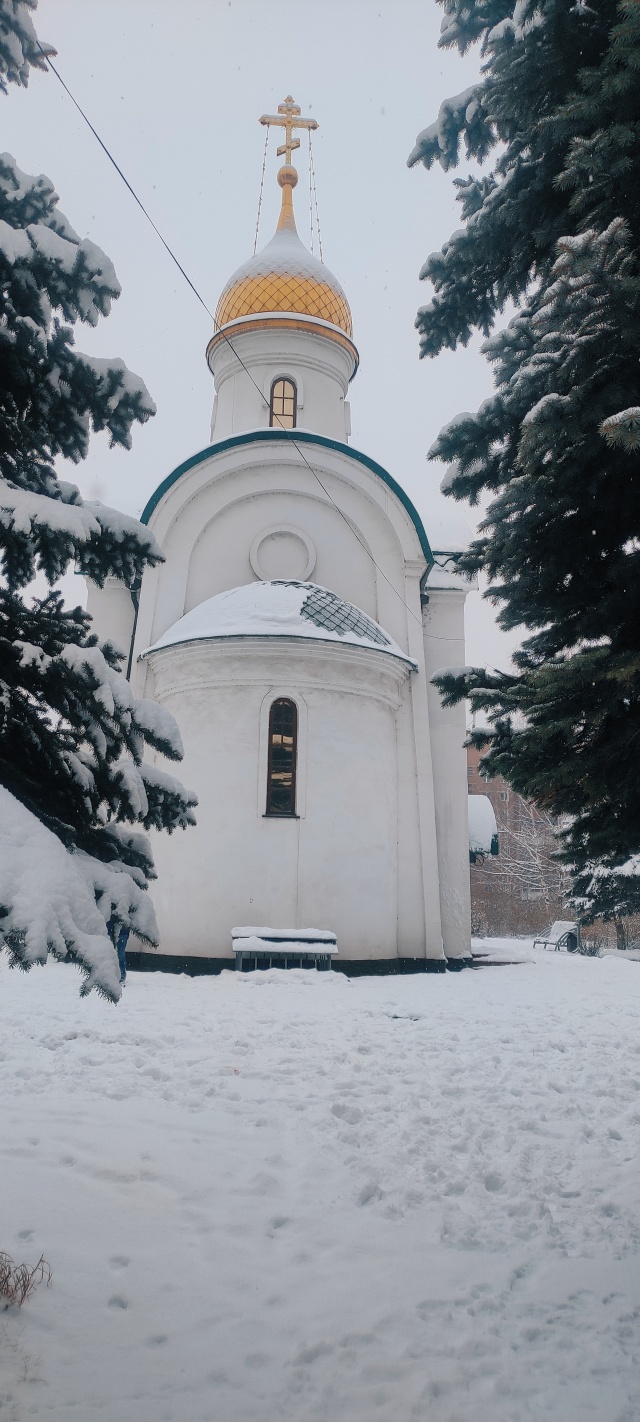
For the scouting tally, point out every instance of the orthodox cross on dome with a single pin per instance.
(288, 118)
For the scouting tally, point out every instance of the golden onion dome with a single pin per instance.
(285, 285)
(284, 278)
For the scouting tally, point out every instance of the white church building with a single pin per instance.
(293, 630)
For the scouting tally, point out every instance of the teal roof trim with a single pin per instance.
(299, 437)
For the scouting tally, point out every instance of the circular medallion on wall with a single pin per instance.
(282, 552)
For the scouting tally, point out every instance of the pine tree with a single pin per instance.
(608, 893)
(20, 49)
(554, 228)
(75, 793)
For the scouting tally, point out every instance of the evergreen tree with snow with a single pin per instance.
(75, 793)
(612, 894)
(555, 228)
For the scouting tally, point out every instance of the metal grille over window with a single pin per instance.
(283, 747)
(327, 610)
(282, 413)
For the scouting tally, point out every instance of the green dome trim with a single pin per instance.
(293, 437)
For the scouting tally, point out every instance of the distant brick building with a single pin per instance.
(521, 890)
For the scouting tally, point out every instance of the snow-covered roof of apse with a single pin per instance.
(280, 609)
(294, 437)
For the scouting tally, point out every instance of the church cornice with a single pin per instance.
(215, 662)
(267, 436)
(283, 321)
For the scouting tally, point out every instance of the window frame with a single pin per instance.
(269, 812)
(274, 423)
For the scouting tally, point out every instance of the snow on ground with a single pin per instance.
(503, 950)
(293, 1196)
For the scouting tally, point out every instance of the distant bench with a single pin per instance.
(283, 948)
(562, 934)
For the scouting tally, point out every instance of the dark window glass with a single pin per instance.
(282, 412)
(283, 749)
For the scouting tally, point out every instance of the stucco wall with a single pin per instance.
(112, 611)
(333, 867)
(366, 542)
(220, 558)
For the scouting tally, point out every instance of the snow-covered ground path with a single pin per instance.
(291, 1197)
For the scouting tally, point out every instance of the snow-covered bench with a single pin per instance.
(562, 934)
(283, 948)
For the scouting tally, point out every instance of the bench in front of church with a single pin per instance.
(283, 948)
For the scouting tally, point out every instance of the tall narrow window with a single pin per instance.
(283, 751)
(283, 407)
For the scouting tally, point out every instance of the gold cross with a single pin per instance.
(288, 118)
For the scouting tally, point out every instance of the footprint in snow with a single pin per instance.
(310, 1354)
(370, 1191)
(119, 1261)
(118, 1302)
(356, 1340)
(404, 1016)
(350, 1114)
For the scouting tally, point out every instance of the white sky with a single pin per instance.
(176, 90)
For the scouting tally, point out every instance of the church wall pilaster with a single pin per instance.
(426, 827)
(444, 645)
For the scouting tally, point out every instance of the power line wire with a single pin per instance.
(315, 197)
(125, 180)
(219, 330)
(310, 196)
(264, 164)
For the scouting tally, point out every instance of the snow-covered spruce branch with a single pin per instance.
(68, 705)
(19, 48)
(76, 792)
(461, 116)
(43, 533)
(53, 396)
(554, 156)
(48, 901)
(59, 903)
(607, 890)
(553, 227)
(623, 428)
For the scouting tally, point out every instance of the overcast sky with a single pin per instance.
(175, 89)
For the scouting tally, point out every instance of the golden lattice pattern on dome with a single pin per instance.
(288, 292)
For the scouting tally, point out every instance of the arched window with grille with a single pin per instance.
(283, 755)
(283, 406)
